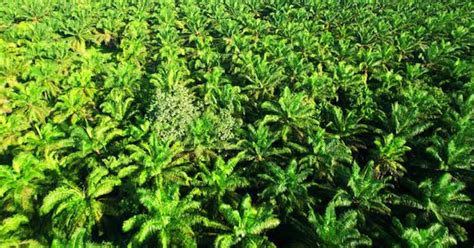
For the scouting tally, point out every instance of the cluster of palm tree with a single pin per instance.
(226, 123)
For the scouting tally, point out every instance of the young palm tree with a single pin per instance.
(14, 234)
(46, 140)
(328, 153)
(287, 188)
(347, 126)
(20, 183)
(390, 152)
(365, 191)
(442, 200)
(232, 98)
(92, 142)
(453, 153)
(159, 160)
(78, 28)
(168, 221)
(74, 105)
(117, 104)
(406, 121)
(258, 144)
(72, 206)
(31, 102)
(262, 74)
(331, 230)
(319, 85)
(223, 178)
(436, 235)
(294, 114)
(246, 225)
(11, 129)
(454, 150)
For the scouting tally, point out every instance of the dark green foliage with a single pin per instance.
(305, 123)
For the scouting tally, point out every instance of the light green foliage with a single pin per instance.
(214, 130)
(169, 218)
(245, 225)
(226, 125)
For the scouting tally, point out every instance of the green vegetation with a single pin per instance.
(250, 123)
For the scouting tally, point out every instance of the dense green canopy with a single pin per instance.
(236, 123)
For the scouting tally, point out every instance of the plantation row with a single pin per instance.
(249, 123)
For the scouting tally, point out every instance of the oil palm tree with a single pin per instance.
(168, 220)
(287, 187)
(73, 206)
(319, 85)
(365, 193)
(12, 127)
(347, 126)
(78, 28)
(246, 225)
(455, 151)
(159, 160)
(92, 141)
(328, 153)
(46, 140)
(331, 229)
(444, 199)
(407, 121)
(74, 105)
(389, 155)
(223, 178)
(79, 239)
(435, 235)
(13, 232)
(21, 182)
(262, 74)
(117, 104)
(441, 200)
(258, 143)
(294, 113)
(31, 102)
